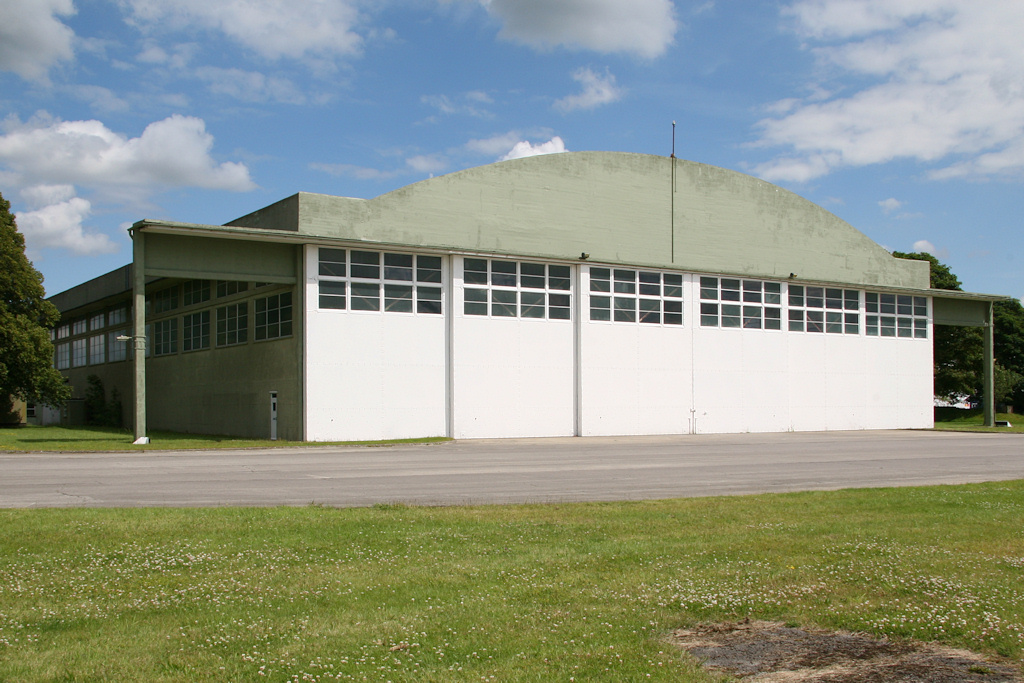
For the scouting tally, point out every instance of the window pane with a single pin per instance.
(365, 264)
(650, 310)
(773, 318)
(558, 306)
(673, 312)
(752, 317)
(503, 303)
(503, 273)
(871, 325)
(428, 268)
(625, 281)
(751, 292)
(673, 286)
(428, 300)
(532, 275)
(332, 294)
(558, 277)
(398, 267)
(709, 315)
(904, 305)
(815, 321)
(625, 309)
(600, 280)
(871, 302)
(650, 284)
(921, 328)
(796, 321)
(532, 304)
(833, 298)
(730, 290)
(834, 322)
(772, 293)
(852, 300)
(888, 303)
(332, 262)
(796, 295)
(815, 297)
(475, 302)
(730, 315)
(709, 288)
(475, 271)
(852, 323)
(920, 307)
(398, 298)
(365, 296)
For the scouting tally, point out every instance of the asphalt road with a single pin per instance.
(511, 470)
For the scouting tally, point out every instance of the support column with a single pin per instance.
(988, 353)
(139, 332)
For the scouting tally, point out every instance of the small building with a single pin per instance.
(584, 293)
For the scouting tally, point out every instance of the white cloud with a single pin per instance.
(469, 103)
(58, 221)
(924, 246)
(889, 205)
(249, 86)
(495, 145)
(174, 152)
(945, 86)
(32, 38)
(525, 148)
(597, 90)
(431, 163)
(275, 29)
(641, 27)
(357, 172)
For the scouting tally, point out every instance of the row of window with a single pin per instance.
(92, 323)
(192, 293)
(828, 310)
(273, 319)
(511, 289)
(630, 296)
(357, 280)
(93, 350)
(375, 281)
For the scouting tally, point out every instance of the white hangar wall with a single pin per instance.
(370, 375)
(523, 348)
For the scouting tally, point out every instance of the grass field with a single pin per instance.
(583, 592)
(974, 421)
(36, 439)
(33, 438)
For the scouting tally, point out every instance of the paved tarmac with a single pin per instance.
(510, 470)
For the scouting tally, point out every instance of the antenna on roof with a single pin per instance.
(672, 202)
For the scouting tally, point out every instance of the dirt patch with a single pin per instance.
(771, 652)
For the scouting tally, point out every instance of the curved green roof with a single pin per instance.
(616, 207)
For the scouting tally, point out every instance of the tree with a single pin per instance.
(26, 353)
(1008, 321)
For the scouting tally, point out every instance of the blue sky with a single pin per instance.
(903, 117)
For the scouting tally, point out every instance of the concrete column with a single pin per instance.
(139, 332)
(988, 346)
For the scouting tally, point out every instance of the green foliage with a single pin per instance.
(99, 412)
(1009, 342)
(26, 353)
